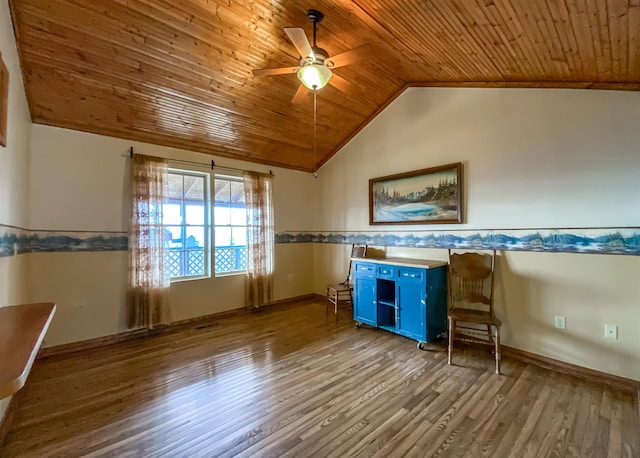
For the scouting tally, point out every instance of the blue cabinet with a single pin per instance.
(405, 296)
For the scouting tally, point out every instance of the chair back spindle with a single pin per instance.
(357, 251)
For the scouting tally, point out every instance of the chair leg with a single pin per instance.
(326, 315)
(452, 326)
(335, 310)
(497, 339)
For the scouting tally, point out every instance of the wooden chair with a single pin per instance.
(471, 280)
(344, 291)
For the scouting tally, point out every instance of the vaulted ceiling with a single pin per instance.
(178, 72)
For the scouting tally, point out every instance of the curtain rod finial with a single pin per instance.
(131, 151)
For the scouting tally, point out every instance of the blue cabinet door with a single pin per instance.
(364, 303)
(436, 302)
(412, 303)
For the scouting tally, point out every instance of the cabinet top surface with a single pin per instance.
(406, 262)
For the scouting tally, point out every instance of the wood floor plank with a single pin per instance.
(445, 431)
(287, 382)
(489, 421)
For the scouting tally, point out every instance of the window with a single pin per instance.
(230, 225)
(186, 225)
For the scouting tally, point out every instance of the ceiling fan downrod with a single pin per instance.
(316, 17)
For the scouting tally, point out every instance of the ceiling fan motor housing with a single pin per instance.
(315, 16)
(319, 56)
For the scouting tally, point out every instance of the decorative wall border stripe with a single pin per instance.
(624, 241)
(16, 240)
(600, 240)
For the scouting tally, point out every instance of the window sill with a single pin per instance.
(231, 274)
(183, 279)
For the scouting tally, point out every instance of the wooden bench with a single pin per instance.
(22, 329)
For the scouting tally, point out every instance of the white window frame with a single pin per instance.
(226, 177)
(184, 225)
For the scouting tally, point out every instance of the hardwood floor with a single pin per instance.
(287, 382)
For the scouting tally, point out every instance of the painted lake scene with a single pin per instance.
(428, 196)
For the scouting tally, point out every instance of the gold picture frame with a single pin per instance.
(4, 101)
(427, 196)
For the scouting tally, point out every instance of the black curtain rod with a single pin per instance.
(204, 164)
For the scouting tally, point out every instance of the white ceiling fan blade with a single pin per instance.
(274, 71)
(349, 57)
(343, 85)
(299, 40)
(301, 93)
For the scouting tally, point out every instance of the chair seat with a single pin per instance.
(341, 287)
(338, 292)
(475, 316)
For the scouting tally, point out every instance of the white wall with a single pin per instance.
(532, 159)
(570, 155)
(14, 171)
(14, 164)
(79, 182)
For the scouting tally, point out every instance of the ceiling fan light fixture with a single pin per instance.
(314, 76)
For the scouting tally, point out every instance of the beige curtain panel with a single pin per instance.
(148, 292)
(260, 239)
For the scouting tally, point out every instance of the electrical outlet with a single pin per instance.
(611, 331)
(560, 322)
(77, 309)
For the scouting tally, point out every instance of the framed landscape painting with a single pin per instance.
(427, 196)
(4, 102)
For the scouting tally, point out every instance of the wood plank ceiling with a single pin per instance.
(178, 72)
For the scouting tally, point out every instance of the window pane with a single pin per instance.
(186, 236)
(229, 259)
(173, 263)
(221, 191)
(239, 236)
(237, 191)
(194, 214)
(238, 216)
(195, 237)
(195, 262)
(175, 186)
(173, 237)
(229, 210)
(193, 187)
(222, 236)
(221, 215)
(171, 214)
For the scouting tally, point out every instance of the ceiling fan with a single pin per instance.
(315, 69)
